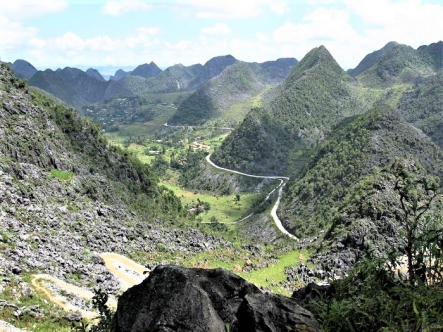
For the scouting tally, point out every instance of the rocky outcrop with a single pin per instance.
(174, 298)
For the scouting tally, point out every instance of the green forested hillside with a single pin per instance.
(422, 106)
(77, 145)
(297, 113)
(358, 146)
(370, 59)
(236, 83)
(402, 64)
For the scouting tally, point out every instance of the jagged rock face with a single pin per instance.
(174, 298)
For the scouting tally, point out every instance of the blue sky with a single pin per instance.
(125, 33)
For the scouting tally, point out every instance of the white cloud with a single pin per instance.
(21, 9)
(70, 42)
(117, 8)
(279, 8)
(234, 8)
(412, 22)
(13, 34)
(262, 37)
(406, 21)
(217, 29)
(321, 25)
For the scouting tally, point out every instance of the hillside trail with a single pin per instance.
(127, 271)
(283, 181)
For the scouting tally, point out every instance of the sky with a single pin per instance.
(126, 33)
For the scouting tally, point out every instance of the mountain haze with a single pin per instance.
(94, 73)
(77, 88)
(119, 74)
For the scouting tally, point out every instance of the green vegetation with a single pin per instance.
(86, 140)
(360, 143)
(62, 175)
(31, 320)
(273, 275)
(371, 59)
(295, 115)
(319, 126)
(233, 85)
(373, 298)
(266, 269)
(402, 64)
(421, 106)
(377, 295)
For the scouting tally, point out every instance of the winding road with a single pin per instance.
(283, 180)
(208, 127)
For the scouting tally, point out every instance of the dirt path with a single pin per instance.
(126, 270)
(62, 301)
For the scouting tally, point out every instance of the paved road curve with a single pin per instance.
(283, 180)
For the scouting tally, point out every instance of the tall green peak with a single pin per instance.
(299, 112)
(318, 56)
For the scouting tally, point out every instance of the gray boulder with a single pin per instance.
(174, 298)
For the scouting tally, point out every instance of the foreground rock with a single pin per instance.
(174, 298)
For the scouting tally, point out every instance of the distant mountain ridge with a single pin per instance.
(95, 74)
(71, 85)
(23, 69)
(370, 59)
(234, 84)
(146, 70)
(119, 74)
(237, 82)
(76, 87)
(403, 64)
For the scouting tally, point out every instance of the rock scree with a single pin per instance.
(175, 298)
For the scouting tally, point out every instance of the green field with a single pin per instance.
(223, 208)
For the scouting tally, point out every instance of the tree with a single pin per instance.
(417, 195)
(237, 197)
